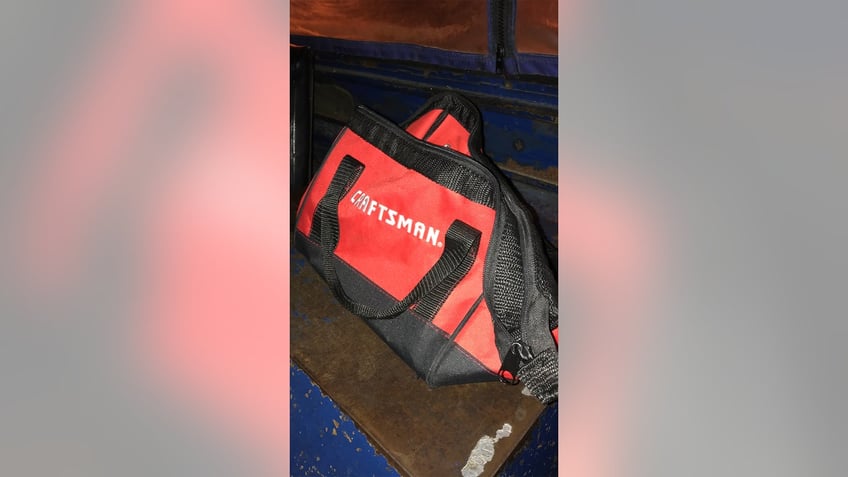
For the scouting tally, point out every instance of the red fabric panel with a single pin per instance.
(391, 257)
(420, 126)
(452, 134)
(478, 337)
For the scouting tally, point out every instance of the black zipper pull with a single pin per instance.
(499, 59)
(518, 354)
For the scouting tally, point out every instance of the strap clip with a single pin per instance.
(518, 354)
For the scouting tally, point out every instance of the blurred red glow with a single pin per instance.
(213, 304)
(212, 308)
(609, 269)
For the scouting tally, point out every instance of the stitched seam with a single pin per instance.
(440, 356)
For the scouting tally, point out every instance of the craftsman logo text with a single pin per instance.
(389, 216)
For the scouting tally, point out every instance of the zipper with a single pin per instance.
(500, 10)
(499, 58)
(520, 352)
(447, 153)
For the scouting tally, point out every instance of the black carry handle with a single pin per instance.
(460, 250)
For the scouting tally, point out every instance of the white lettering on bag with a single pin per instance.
(389, 216)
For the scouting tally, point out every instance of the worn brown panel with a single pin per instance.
(421, 431)
(536, 27)
(447, 24)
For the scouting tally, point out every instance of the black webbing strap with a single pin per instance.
(460, 249)
(346, 175)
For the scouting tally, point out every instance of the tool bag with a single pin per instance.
(415, 230)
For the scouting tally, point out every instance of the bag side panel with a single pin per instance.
(392, 224)
(393, 221)
(412, 338)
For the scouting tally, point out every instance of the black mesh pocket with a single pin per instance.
(546, 283)
(508, 288)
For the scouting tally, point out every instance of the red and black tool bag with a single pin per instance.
(415, 230)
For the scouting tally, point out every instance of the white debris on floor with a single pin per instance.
(483, 452)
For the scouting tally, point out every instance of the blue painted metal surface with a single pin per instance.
(525, 94)
(538, 457)
(324, 441)
(520, 116)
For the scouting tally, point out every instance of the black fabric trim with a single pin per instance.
(456, 366)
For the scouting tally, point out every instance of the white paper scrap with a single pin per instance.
(483, 452)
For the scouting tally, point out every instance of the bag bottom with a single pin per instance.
(427, 349)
